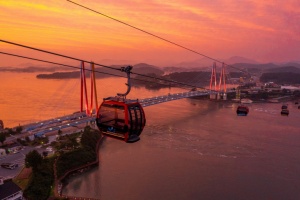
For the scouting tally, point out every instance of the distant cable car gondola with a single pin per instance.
(120, 117)
(242, 110)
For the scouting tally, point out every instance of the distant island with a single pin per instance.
(196, 72)
(193, 76)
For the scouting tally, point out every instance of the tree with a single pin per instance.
(19, 129)
(10, 131)
(27, 139)
(33, 159)
(89, 138)
(2, 137)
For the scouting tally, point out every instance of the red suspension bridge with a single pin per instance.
(115, 107)
(117, 116)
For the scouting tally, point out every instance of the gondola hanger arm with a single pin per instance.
(127, 70)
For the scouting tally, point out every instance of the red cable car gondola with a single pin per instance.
(120, 117)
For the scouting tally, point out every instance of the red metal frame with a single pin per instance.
(83, 89)
(213, 79)
(126, 118)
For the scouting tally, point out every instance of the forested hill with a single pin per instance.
(281, 77)
(102, 72)
(288, 74)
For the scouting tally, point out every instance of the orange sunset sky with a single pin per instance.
(263, 30)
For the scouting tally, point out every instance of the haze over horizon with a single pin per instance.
(264, 31)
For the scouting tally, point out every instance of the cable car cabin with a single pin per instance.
(121, 119)
(242, 110)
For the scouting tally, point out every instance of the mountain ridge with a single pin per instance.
(203, 64)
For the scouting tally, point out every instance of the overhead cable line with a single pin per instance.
(55, 63)
(73, 58)
(193, 86)
(154, 35)
(56, 54)
(142, 30)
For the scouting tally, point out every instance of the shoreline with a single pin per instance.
(61, 181)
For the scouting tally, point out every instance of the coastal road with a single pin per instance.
(17, 158)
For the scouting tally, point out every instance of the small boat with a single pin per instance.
(236, 100)
(284, 106)
(273, 100)
(284, 112)
(242, 110)
(246, 101)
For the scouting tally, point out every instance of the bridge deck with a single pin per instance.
(171, 97)
(75, 119)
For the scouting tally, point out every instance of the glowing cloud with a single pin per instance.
(262, 30)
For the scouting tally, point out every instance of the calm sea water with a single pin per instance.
(190, 149)
(25, 99)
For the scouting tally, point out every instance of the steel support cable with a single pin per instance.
(81, 60)
(60, 95)
(63, 95)
(49, 102)
(55, 63)
(73, 58)
(50, 62)
(56, 54)
(156, 36)
(144, 31)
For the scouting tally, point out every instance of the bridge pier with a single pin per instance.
(213, 96)
(218, 96)
(224, 96)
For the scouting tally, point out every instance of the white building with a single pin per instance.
(289, 87)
